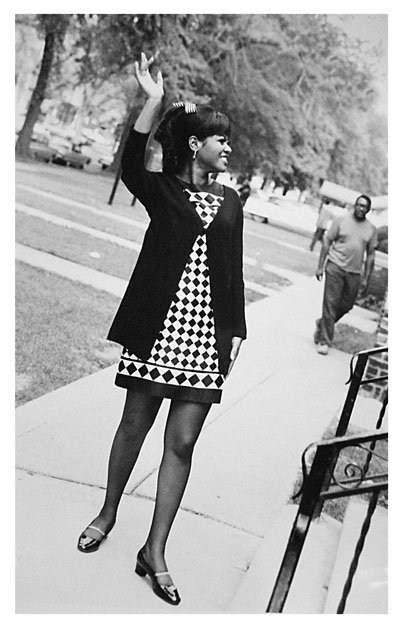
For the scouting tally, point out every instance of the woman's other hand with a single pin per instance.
(153, 89)
(236, 343)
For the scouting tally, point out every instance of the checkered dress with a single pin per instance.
(183, 363)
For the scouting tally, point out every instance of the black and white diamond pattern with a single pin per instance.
(206, 205)
(185, 352)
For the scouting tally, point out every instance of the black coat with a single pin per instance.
(168, 241)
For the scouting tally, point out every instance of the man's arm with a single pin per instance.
(322, 257)
(369, 262)
(368, 268)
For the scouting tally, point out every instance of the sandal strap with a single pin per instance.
(96, 528)
(162, 574)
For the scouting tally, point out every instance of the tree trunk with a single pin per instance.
(24, 137)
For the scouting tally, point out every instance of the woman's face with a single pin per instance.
(214, 153)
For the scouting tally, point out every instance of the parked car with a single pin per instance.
(42, 151)
(100, 154)
(284, 213)
(72, 159)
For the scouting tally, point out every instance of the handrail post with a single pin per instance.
(344, 419)
(326, 452)
(351, 395)
(308, 503)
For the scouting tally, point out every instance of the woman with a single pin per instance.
(181, 320)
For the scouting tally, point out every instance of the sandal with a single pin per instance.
(87, 544)
(167, 593)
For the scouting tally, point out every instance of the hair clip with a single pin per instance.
(190, 108)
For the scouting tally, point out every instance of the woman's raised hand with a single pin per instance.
(153, 89)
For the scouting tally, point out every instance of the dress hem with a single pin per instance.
(170, 391)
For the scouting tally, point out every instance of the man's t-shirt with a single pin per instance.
(349, 240)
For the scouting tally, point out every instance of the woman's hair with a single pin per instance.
(177, 126)
(367, 198)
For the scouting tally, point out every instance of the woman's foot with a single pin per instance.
(153, 564)
(95, 534)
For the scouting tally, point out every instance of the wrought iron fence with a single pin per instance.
(323, 482)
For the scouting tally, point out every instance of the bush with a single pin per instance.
(383, 239)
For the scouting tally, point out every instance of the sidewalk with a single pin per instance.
(280, 397)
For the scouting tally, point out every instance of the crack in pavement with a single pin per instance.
(139, 496)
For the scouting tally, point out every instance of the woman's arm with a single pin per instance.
(154, 91)
(134, 174)
(239, 321)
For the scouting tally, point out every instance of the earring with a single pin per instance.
(195, 153)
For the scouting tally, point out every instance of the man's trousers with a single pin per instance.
(340, 292)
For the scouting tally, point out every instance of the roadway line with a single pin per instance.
(129, 221)
(293, 276)
(91, 277)
(290, 275)
(71, 270)
(288, 245)
(122, 242)
(83, 206)
(65, 222)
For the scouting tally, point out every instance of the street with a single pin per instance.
(265, 244)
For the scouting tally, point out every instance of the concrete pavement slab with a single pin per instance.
(307, 594)
(247, 461)
(369, 590)
(206, 559)
(280, 397)
(68, 432)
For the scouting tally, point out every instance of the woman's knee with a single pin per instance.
(182, 445)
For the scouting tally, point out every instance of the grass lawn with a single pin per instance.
(110, 258)
(351, 456)
(76, 246)
(108, 223)
(60, 332)
(351, 340)
(61, 329)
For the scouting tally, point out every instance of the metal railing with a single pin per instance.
(322, 483)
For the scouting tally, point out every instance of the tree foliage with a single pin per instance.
(298, 91)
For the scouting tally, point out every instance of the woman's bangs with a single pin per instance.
(217, 124)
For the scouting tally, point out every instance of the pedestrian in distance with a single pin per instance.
(348, 249)
(323, 220)
(181, 321)
(244, 189)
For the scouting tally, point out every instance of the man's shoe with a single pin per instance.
(322, 349)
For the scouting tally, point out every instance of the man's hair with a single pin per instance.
(367, 198)
(177, 126)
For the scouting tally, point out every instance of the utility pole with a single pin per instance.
(115, 185)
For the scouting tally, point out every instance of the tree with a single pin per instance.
(297, 90)
(54, 27)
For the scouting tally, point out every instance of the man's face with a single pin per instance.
(361, 209)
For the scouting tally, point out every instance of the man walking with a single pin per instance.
(349, 244)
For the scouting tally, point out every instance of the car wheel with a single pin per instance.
(258, 219)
